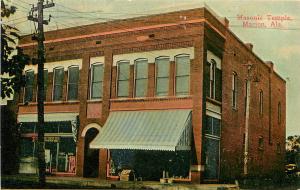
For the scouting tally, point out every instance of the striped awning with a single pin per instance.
(48, 117)
(146, 130)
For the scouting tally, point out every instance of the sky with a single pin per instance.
(276, 35)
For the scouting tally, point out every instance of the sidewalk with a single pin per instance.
(80, 182)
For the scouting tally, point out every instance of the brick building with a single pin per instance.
(160, 94)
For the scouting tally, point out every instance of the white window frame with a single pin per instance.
(45, 98)
(117, 79)
(53, 83)
(175, 75)
(155, 74)
(29, 70)
(212, 78)
(234, 90)
(67, 95)
(134, 77)
(91, 80)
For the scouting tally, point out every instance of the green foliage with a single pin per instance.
(292, 149)
(13, 60)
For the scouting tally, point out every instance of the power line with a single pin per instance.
(11, 20)
(20, 6)
(26, 3)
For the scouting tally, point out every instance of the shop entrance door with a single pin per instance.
(91, 156)
(211, 155)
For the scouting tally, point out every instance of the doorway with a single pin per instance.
(212, 158)
(91, 156)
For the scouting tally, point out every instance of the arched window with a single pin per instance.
(261, 143)
(162, 71)
(279, 112)
(212, 77)
(58, 83)
(123, 79)
(45, 83)
(73, 77)
(261, 102)
(96, 89)
(29, 85)
(234, 90)
(141, 77)
(182, 75)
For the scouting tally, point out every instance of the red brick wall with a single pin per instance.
(261, 162)
(201, 36)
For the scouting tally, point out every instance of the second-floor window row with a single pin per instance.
(70, 80)
(162, 76)
(58, 84)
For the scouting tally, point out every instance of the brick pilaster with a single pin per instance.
(131, 81)
(82, 96)
(172, 79)
(151, 80)
(197, 89)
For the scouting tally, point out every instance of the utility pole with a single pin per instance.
(248, 87)
(41, 59)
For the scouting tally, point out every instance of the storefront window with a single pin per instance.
(66, 155)
(60, 147)
(26, 148)
(150, 165)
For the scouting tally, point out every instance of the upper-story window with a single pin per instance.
(261, 143)
(141, 77)
(45, 83)
(212, 74)
(29, 86)
(97, 70)
(261, 102)
(123, 79)
(213, 126)
(73, 77)
(182, 77)
(162, 68)
(234, 90)
(58, 83)
(278, 148)
(213, 80)
(279, 112)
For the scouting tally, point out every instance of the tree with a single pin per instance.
(13, 61)
(292, 148)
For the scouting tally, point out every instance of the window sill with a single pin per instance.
(260, 149)
(94, 100)
(49, 103)
(150, 98)
(234, 109)
(213, 100)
